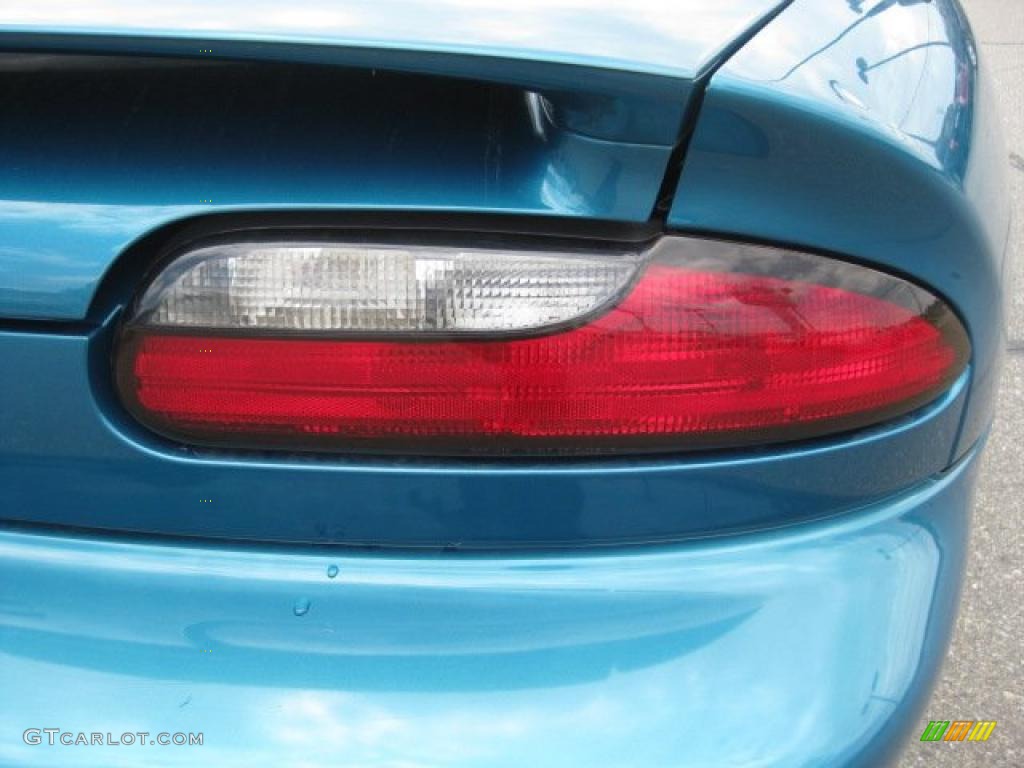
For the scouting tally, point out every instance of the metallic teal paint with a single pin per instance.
(116, 475)
(772, 630)
(118, 148)
(870, 134)
(619, 78)
(798, 647)
(644, 36)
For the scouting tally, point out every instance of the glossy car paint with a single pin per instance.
(811, 646)
(619, 111)
(94, 170)
(636, 37)
(114, 474)
(871, 134)
(809, 635)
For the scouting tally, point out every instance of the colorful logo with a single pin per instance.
(958, 730)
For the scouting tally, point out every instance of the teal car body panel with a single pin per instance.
(85, 197)
(776, 606)
(640, 37)
(118, 476)
(788, 648)
(881, 130)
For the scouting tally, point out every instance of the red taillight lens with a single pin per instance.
(693, 355)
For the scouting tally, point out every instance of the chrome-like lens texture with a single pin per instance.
(382, 289)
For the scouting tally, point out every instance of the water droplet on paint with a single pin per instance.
(301, 607)
(332, 571)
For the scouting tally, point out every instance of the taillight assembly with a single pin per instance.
(448, 349)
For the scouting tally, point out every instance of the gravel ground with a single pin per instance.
(983, 677)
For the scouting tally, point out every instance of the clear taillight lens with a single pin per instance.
(339, 288)
(452, 350)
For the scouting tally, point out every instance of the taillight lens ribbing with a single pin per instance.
(450, 350)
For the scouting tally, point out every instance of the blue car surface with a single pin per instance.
(547, 383)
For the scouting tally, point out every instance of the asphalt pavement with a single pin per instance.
(983, 677)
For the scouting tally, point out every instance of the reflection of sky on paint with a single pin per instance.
(816, 58)
(670, 36)
(814, 603)
(123, 220)
(53, 254)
